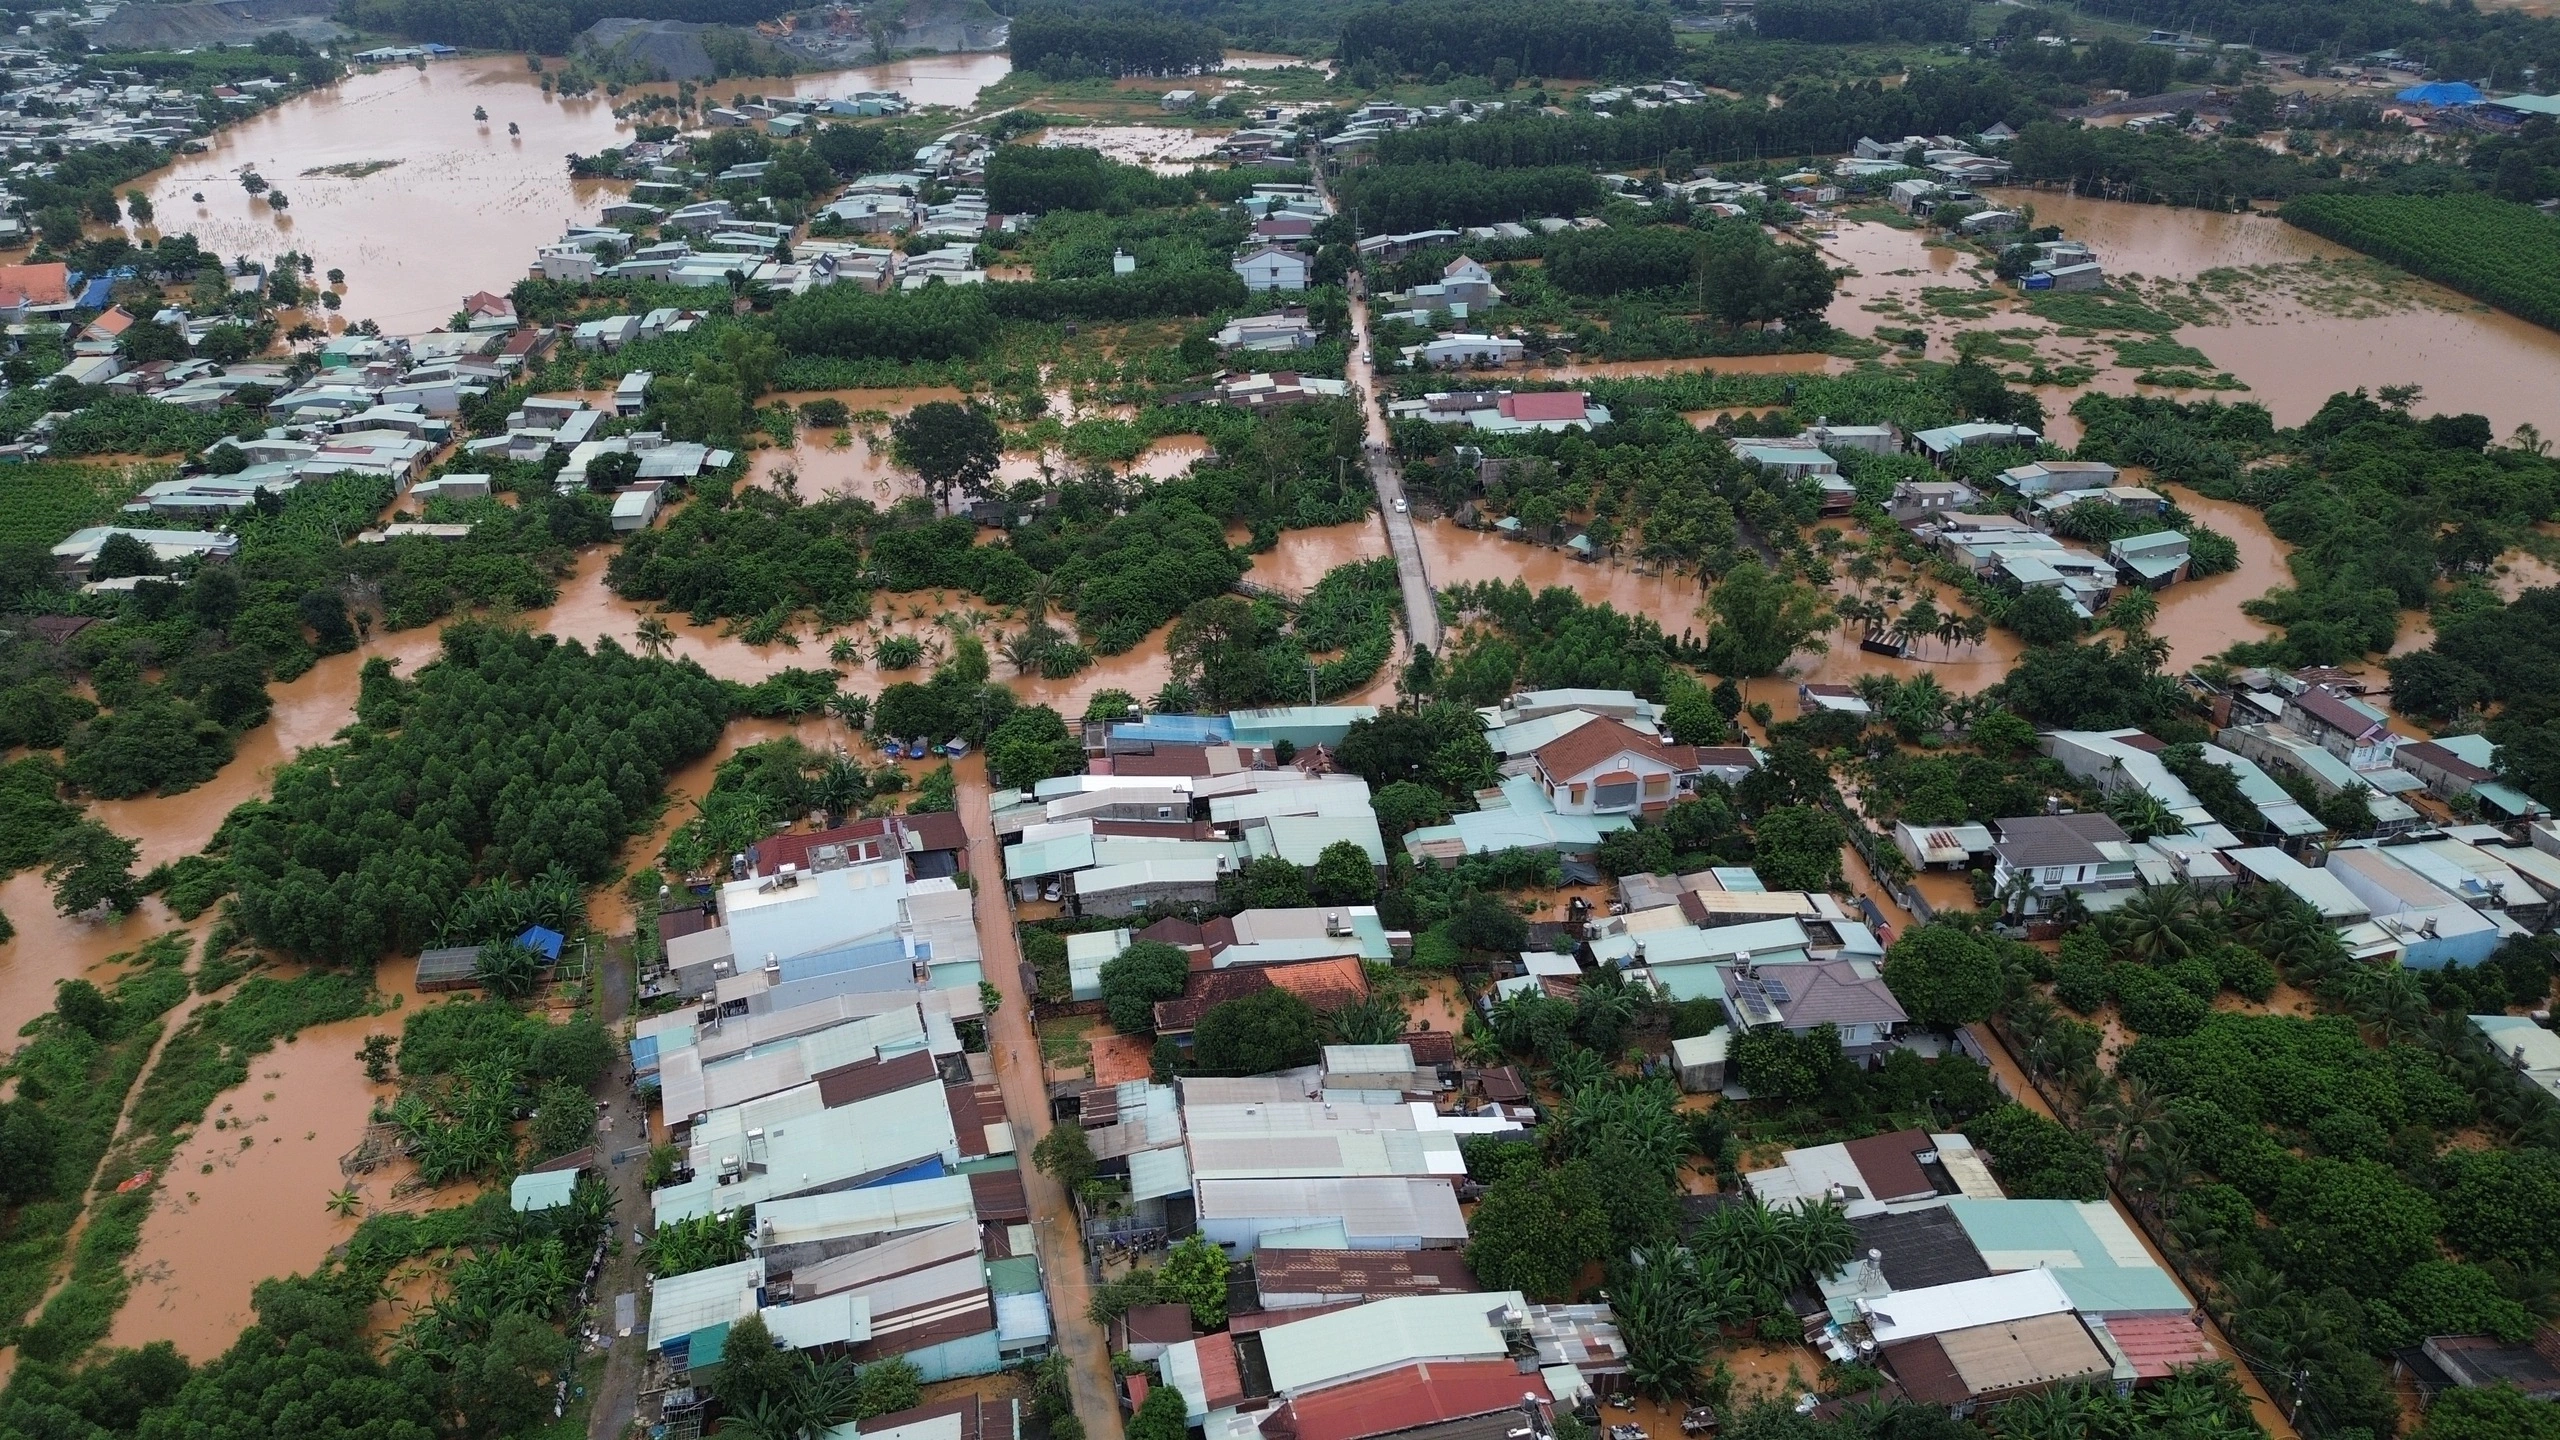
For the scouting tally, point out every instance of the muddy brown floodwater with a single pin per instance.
(2200, 618)
(462, 205)
(247, 1195)
(2292, 355)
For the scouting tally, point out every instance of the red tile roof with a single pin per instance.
(48, 284)
(1431, 1047)
(1403, 1399)
(2159, 1344)
(1322, 983)
(1588, 746)
(1205, 989)
(1545, 405)
(111, 321)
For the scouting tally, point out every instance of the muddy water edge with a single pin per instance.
(394, 182)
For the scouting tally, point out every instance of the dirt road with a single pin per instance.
(1026, 1105)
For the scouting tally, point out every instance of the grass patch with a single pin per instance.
(352, 169)
(78, 1082)
(2156, 352)
(44, 501)
(2189, 380)
(1958, 304)
(2095, 310)
(209, 1056)
(1880, 215)
(1063, 1040)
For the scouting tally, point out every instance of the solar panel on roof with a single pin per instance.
(1776, 990)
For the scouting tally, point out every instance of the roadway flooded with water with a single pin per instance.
(463, 205)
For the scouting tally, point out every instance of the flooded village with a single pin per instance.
(1255, 1048)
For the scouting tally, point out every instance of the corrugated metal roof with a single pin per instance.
(1327, 1349)
(1385, 1207)
(829, 1320)
(915, 1251)
(2027, 1353)
(543, 1191)
(1302, 839)
(1156, 1174)
(682, 1304)
(850, 1214)
(1908, 1314)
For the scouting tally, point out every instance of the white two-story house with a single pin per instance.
(2344, 726)
(1610, 768)
(2059, 855)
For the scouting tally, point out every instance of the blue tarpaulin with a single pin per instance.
(2441, 92)
(537, 938)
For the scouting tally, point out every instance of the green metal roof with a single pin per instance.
(548, 1190)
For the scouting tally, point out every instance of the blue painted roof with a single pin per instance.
(543, 939)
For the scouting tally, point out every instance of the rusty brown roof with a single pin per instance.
(867, 1079)
(1373, 1274)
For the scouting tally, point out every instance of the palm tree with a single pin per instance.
(1951, 629)
(655, 637)
(845, 651)
(345, 1202)
(2163, 922)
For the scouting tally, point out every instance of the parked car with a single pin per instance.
(916, 748)
(1699, 1421)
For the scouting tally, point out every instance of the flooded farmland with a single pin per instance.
(392, 181)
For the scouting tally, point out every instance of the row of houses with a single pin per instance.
(829, 1069)
(2425, 896)
(1965, 1297)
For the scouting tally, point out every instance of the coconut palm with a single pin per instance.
(1951, 629)
(655, 637)
(2163, 922)
(845, 651)
(345, 1202)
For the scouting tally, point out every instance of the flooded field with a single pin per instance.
(2315, 321)
(458, 205)
(265, 1170)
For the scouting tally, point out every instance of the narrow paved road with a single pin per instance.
(1026, 1105)
(1421, 610)
(617, 1399)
